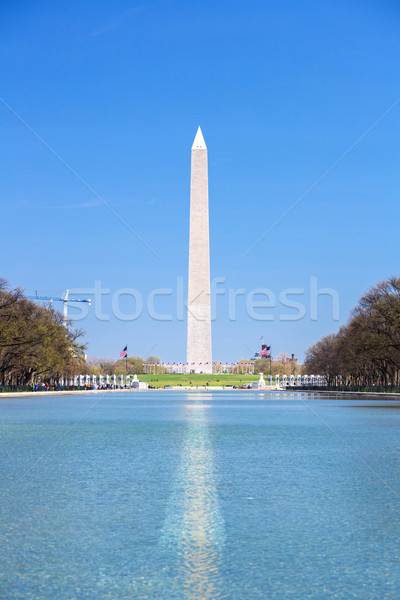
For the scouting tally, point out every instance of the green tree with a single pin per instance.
(153, 359)
(134, 366)
(34, 342)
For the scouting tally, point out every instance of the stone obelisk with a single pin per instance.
(199, 310)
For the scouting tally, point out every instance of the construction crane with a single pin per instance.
(64, 300)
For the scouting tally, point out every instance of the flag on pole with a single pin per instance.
(266, 351)
(123, 353)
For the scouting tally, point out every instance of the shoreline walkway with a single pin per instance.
(40, 394)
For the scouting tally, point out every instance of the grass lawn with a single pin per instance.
(197, 379)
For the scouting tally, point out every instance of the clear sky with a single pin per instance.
(281, 89)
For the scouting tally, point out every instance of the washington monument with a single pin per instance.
(199, 310)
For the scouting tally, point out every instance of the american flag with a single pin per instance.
(123, 352)
(266, 351)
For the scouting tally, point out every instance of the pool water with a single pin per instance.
(199, 495)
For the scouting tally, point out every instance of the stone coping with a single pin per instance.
(200, 388)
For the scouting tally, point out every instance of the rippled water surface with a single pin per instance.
(199, 496)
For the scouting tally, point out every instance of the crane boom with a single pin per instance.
(64, 300)
(55, 299)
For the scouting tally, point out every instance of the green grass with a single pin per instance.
(198, 379)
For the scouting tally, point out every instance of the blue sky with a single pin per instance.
(281, 90)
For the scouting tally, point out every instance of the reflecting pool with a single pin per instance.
(199, 496)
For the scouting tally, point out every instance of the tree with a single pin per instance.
(262, 365)
(323, 358)
(34, 341)
(366, 351)
(154, 360)
(133, 365)
(282, 358)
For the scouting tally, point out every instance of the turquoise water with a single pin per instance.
(199, 496)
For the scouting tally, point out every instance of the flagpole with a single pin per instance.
(126, 364)
(270, 360)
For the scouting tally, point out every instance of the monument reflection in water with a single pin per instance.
(194, 527)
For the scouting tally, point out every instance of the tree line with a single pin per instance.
(366, 350)
(34, 342)
(282, 364)
(131, 365)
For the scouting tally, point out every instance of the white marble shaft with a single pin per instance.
(199, 356)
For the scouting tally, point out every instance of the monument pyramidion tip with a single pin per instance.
(199, 143)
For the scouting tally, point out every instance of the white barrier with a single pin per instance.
(99, 381)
